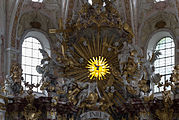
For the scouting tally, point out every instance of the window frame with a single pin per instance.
(166, 57)
(41, 36)
(38, 1)
(31, 75)
(155, 1)
(152, 41)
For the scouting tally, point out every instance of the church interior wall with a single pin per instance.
(21, 18)
(143, 34)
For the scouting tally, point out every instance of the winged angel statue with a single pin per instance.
(52, 82)
(12, 85)
(137, 70)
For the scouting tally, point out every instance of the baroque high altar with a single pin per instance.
(97, 73)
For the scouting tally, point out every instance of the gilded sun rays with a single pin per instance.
(92, 58)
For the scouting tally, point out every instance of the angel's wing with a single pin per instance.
(44, 53)
(155, 56)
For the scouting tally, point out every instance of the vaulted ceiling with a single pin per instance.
(141, 15)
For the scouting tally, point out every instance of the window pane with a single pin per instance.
(155, 88)
(173, 45)
(34, 72)
(27, 45)
(168, 39)
(23, 68)
(169, 45)
(35, 54)
(162, 41)
(168, 52)
(168, 61)
(162, 62)
(162, 53)
(40, 55)
(162, 46)
(28, 61)
(173, 51)
(36, 46)
(35, 62)
(173, 60)
(157, 70)
(158, 1)
(168, 77)
(28, 52)
(162, 70)
(23, 60)
(28, 70)
(169, 69)
(40, 1)
(23, 51)
(28, 78)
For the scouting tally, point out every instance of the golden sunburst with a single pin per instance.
(98, 68)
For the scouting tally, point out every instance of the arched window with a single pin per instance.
(31, 57)
(155, 1)
(90, 2)
(166, 61)
(40, 1)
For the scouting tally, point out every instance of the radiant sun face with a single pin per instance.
(98, 68)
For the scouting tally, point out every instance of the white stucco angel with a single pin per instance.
(149, 67)
(8, 84)
(87, 89)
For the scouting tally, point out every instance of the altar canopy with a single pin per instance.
(95, 70)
